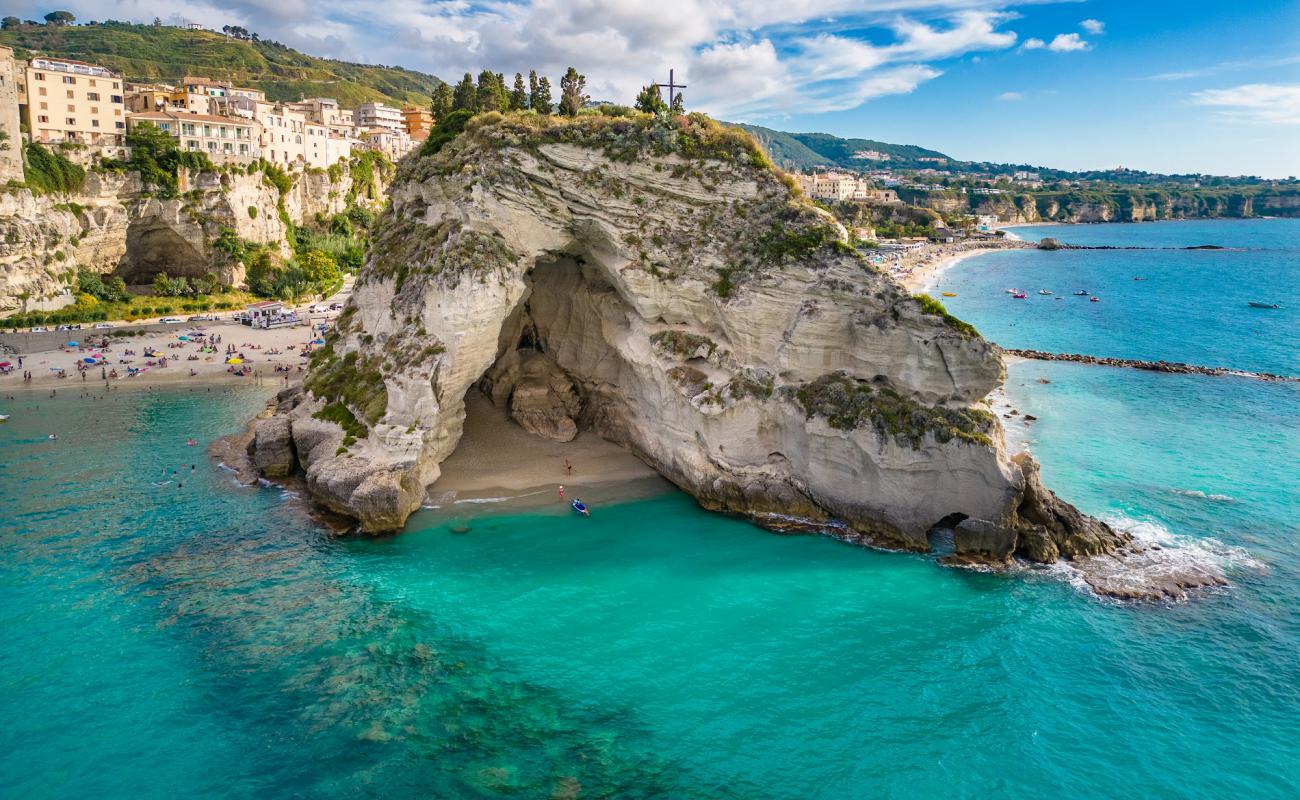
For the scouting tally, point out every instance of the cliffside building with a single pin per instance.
(378, 115)
(72, 101)
(418, 122)
(226, 140)
(835, 186)
(11, 140)
(391, 143)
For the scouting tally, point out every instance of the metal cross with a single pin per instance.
(671, 86)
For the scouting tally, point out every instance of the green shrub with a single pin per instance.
(48, 172)
(932, 306)
(252, 212)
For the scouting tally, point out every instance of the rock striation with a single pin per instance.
(656, 281)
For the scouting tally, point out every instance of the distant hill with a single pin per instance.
(808, 150)
(148, 52)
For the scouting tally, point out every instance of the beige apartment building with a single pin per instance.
(290, 139)
(225, 140)
(72, 101)
(11, 143)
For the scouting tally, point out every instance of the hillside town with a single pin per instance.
(60, 101)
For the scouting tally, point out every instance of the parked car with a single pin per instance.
(170, 320)
(39, 329)
(335, 306)
(202, 318)
(313, 309)
(100, 326)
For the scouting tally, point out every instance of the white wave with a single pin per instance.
(477, 500)
(1196, 550)
(1218, 498)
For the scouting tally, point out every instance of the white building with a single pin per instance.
(393, 144)
(378, 115)
(225, 140)
(836, 186)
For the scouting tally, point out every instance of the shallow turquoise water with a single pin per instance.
(209, 640)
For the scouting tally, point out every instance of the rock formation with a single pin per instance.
(114, 225)
(659, 283)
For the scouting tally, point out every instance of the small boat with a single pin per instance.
(1018, 296)
(580, 508)
(3, 417)
(1093, 299)
(1043, 291)
(1254, 304)
(1138, 278)
(1081, 293)
(1012, 291)
(949, 294)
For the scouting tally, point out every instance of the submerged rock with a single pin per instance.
(659, 283)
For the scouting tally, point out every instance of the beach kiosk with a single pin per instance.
(268, 314)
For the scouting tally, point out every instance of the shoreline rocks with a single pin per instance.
(1174, 367)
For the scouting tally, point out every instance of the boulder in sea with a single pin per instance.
(272, 448)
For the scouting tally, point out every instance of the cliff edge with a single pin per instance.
(658, 282)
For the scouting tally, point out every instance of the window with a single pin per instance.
(42, 118)
(40, 76)
(42, 91)
(71, 121)
(94, 123)
(71, 107)
(44, 106)
(70, 94)
(193, 145)
(117, 98)
(68, 79)
(228, 147)
(92, 95)
(119, 125)
(243, 149)
(212, 147)
(115, 86)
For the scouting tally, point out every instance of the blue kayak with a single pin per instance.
(580, 508)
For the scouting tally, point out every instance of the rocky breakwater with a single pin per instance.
(659, 283)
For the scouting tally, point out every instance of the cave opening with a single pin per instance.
(155, 247)
(544, 402)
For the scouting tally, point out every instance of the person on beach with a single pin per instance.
(568, 467)
(561, 491)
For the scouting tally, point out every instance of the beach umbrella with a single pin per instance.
(234, 360)
(73, 344)
(183, 338)
(88, 360)
(318, 341)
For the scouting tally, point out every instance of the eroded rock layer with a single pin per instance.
(659, 283)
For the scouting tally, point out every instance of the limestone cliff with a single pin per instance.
(115, 225)
(659, 283)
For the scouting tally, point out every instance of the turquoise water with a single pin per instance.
(209, 640)
(1192, 307)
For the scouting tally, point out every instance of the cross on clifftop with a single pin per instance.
(671, 86)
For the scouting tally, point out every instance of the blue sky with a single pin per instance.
(1193, 86)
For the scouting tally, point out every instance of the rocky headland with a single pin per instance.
(659, 283)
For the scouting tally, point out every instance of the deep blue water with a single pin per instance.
(209, 640)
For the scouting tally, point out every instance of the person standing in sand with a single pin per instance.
(561, 491)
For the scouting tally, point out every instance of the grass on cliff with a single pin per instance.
(846, 404)
(933, 307)
(352, 388)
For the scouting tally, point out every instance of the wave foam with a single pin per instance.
(1197, 493)
(1196, 550)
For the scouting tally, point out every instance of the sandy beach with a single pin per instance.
(277, 356)
(919, 270)
(498, 462)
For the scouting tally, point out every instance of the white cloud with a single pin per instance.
(754, 59)
(1033, 44)
(1011, 97)
(1094, 26)
(1266, 103)
(1068, 43)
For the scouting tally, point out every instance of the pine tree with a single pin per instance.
(491, 92)
(518, 96)
(532, 88)
(651, 100)
(571, 96)
(443, 101)
(465, 96)
(543, 105)
(679, 104)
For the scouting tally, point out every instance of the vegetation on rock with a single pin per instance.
(846, 404)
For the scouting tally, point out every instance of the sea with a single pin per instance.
(166, 632)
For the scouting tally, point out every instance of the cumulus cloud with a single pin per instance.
(1068, 43)
(1266, 103)
(1033, 44)
(754, 59)
(1094, 26)
(1011, 97)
